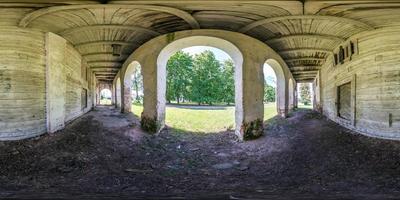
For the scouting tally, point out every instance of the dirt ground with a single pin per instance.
(105, 155)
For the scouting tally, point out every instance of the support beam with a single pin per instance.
(109, 64)
(306, 36)
(305, 50)
(304, 68)
(108, 26)
(304, 72)
(49, 10)
(106, 42)
(104, 54)
(315, 17)
(305, 59)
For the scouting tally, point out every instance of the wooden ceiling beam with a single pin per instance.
(305, 50)
(108, 26)
(299, 17)
(111, 64)
(306, 36)
(305, 59)
(106, 42)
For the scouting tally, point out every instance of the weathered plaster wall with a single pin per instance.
(24, 77)
(22, 83)
(375, 77)
(67, 81)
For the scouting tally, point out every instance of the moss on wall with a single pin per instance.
(150, 125)
(252, 130)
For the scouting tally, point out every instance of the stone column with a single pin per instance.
(249, 119)
(127, 100)
(153, 115)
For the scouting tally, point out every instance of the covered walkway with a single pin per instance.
(103, 155)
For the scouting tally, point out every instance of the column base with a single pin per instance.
(252, 130)
(150, 125)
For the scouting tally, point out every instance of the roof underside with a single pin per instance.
(304, 34)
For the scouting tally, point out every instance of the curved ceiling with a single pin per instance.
(304, 34)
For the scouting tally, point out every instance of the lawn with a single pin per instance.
(105, 101)
(205, 119)
(300, 105)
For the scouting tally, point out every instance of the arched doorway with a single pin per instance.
(105, 97)
(281, 95)
(133, 89)
(270, 92)
(183, 43)
(200, 90)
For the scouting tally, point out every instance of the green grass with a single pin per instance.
(300, 105)
(206, 119)
(105, 101)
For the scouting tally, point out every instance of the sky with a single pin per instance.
(269, 73)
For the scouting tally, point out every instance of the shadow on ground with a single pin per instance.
(105, 155)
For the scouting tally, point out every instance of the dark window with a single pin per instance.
(335, 57)
(352, 50)
(344, 101)
(341, 55)
(84, 98)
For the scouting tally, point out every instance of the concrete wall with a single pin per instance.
(24, 69)
(22, 83)
(374, 73)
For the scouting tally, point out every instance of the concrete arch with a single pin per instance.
(101, 92)
(249, 81)
(127, 85)
(281, 96)
(190, 41)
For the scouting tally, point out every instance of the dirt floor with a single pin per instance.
(105, 155)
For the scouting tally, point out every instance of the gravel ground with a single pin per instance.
(104, 155)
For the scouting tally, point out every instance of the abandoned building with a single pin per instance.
(57, 56)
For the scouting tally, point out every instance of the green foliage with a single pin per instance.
(202, 79)
(179, 73)
(137, 85)
(228, 77)
(305, 94)
(269, 93)
(206, 85)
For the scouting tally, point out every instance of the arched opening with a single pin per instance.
(105, 97)
(133, 89)
(118, 93)
(305, 93)
(280, 94)
(270, 90)
(205, 100)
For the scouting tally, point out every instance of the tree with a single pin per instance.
(137, 83)
(228, 93)
(269, 93)
(305, 94)
(206, 84)
(179, 72)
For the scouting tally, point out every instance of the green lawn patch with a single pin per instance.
(203, 119)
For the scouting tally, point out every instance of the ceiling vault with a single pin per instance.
(301, 17)
(303, 32)
(173, 11)
(108, 26)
